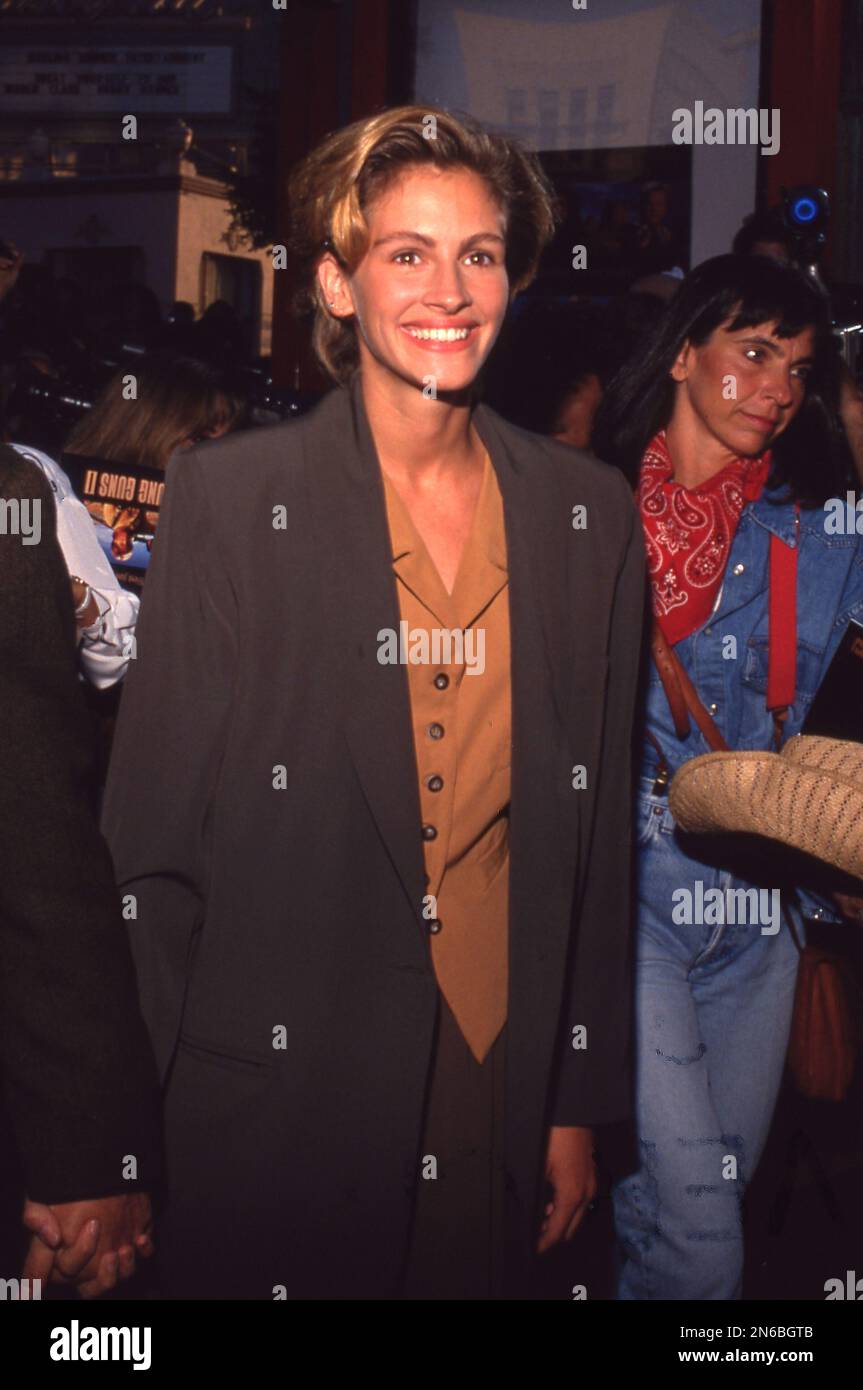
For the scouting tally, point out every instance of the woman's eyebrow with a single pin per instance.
(772, 344)
(430, 241)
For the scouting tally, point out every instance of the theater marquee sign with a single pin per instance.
(185, 80)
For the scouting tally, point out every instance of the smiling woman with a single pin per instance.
(332, 190)
(407, 926)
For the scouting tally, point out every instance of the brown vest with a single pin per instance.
(456, 647)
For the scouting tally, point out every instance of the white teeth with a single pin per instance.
(440, 335)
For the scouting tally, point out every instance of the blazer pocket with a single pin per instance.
(215, 1056)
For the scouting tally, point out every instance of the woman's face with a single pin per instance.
(431, 291)
(743, 389)
(221, 425)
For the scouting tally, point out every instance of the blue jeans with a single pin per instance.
(713, 1014)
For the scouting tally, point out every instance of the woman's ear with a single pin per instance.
(334, 284)
(680, 367)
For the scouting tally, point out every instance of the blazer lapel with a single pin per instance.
(544, 817)
(350, 511)
(536, 556)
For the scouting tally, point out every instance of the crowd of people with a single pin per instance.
(368, 953)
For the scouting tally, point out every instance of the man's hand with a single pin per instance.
(92, 1244)
(570, 1170)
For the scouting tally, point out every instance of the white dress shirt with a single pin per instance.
(107, 644)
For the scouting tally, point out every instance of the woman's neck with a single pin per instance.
(696, 455)
(419, 438)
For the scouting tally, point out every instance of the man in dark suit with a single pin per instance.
(81, 1088)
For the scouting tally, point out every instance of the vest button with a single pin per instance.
(429, 832)
(441, 680)
(435, 925)
(435, 730)
(435, 783)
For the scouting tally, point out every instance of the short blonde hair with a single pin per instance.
(332, 187)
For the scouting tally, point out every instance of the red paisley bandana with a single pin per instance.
(688, 533)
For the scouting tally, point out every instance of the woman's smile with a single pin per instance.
(441, 338)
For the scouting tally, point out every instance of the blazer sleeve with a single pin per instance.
(168, 746)
(593, 1085)
(80, 1081)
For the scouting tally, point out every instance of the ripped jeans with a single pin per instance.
(713, 1014)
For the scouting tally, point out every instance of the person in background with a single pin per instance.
(764, 234)
(725, 422)
(179, 401)
(180, 328)
(81, 1090)
(105, 614)
(851, 415)
(554, 359)
(218, 336)
(657, 241)
(545, 372)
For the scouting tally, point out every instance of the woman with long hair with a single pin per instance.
(386, 700)
(164, 403)
(725, 424)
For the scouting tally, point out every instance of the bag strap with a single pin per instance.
(681, 693)
(782, 618)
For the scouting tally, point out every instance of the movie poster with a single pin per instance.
(123, 501)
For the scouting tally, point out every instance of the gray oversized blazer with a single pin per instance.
(287, 908)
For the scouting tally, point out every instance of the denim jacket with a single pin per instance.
(731, 677)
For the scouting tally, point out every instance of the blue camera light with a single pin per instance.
(804, 209)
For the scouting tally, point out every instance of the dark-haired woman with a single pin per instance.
(723, 423)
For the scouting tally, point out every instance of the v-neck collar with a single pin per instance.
(482, 570)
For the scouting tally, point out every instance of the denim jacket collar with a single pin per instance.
(777, 518)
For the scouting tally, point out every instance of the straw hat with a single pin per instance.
(809, 796)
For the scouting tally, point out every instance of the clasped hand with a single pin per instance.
(92, 1244)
